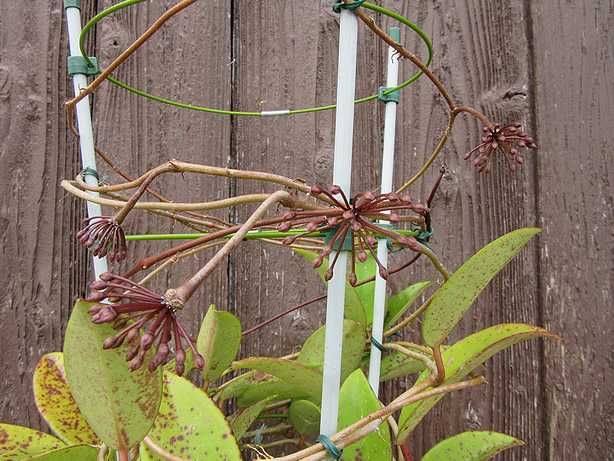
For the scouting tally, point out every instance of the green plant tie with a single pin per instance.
(424, 237)
(82, 65)
(72, 4)
(338, 6)
(330, 447)
(378, 345)
(386, 94)
(347, 242)
(90, 172)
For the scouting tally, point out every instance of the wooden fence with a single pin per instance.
(547, 63)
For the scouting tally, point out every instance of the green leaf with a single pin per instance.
(455, 297)
(462, 358)
(399, 303)
(471, 446)
(218, 341)
(118, 404)
(396, 364)
(303, 378)
(19, 443)
(268, 385)
(74, 453)
(56, 404)
(356, 400)
(305, 417)
(357, 304)
(190, 426)
(354, 339)
(243, 419)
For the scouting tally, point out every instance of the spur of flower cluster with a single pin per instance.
(507, 139)
(143, 320)
(356, 219)
(105, 237)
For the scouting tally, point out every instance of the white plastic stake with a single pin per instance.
(84, 122)
(342, 174)
(379, 302)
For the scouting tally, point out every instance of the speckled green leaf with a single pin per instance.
(398, 304)
(356, 400)
(73, 453)
(455, 297)
(244, 418)
(218, 341)
(19, 443)
(266, 385)
(56, 404)
(118, 404)
(355, 308)
(462, 358)
(354, 339)
(396, 364)
(305, 417)
(190, 426)
(471, 446)
(303, 378)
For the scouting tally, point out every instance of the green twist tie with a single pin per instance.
(424, 236)
(378, 345)
(80, 65)
(90, 172)
(347, 242)
(384, 95)
(338, 6)
(330, 447)
(72, 4)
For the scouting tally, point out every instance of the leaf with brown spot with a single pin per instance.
(19, 443)
(244, 418)
(303, 378)
(471, 446)
(74, 453)
(454, 298)
(57, 405)
(190, 426)
(119, 405)
(462, 358)
(305, 417)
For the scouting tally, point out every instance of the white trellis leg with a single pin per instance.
(84, 120)
(342, 172)
(379, 302)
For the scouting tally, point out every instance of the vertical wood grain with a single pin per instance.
(573, 59)
(41, 271)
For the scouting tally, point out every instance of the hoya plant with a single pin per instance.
(132, 383)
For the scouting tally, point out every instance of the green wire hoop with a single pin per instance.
(370, 6)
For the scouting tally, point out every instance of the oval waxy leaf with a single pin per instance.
(462, 358)
(56, 404)
(357, 400)
(305, 417)
(190, 426)
(19, 443)
(73, 453)
(358, 305)
(396, 364)
(218, 341)
(243, 419)
(265, 386)
(398, 304)
(118, 404)
(302, 377)
(471, 446)
(452, 300)
(354, 339)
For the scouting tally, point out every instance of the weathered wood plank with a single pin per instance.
(481, 54)
(186, 60)
(573, 56)
(41, 270)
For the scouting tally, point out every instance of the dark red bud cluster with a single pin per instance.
(144, 320)
(508, 139)
(105, 237)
